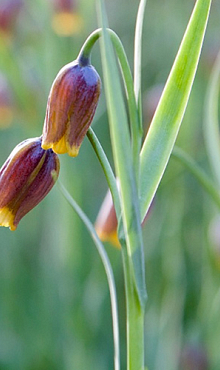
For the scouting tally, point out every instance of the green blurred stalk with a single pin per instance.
(198, 173)
(211, 121)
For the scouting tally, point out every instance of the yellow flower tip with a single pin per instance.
(7, 218)
(73, 151)
(67, 23)
(58, 147)
(46, 145)
(110, 237)
(61, 147)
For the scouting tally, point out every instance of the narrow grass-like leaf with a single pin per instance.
(138, 53)
(121, 145)
(211, 122)
(165, 125)
(137, 130)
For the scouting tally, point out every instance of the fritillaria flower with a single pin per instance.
(9, 11)
(25, 179)
(67, 5)
(71, 106)
(106, 222)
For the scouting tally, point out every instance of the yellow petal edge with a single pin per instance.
(61, 147)
(7, 218)
(108, 237)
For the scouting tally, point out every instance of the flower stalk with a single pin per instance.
(135, 125)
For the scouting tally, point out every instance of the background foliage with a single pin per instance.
(54, 300)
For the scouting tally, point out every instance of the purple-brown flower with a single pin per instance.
(25, 179)
(9, 12)
(71, 106)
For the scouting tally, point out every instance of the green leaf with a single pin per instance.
(121, 145)
(138, 53)
(164, 128)
(137, 130)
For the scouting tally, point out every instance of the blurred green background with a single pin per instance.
(54, 299)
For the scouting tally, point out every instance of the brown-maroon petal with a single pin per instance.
(25, 179)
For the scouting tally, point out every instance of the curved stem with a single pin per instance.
(199, 174)
(84, 57)
(108, 270)
(107, 170)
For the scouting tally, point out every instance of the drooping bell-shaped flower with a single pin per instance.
(9, 12)
(25, 179)
(71, 106)
(106, 223)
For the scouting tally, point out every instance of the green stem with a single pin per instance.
(199, 174)
(135, 314)
(127, 168)
(84, 59)
(107, 170)
(135, 319)
(108, 270)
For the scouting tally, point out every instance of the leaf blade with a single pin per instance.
(164, 128)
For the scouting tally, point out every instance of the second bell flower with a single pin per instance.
(71, 106)
(26, 177)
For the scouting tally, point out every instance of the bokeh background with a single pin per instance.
(54, 299)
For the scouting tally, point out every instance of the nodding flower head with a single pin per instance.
(106, 223)
(25, 179)
(71, 106)
(9, 12)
